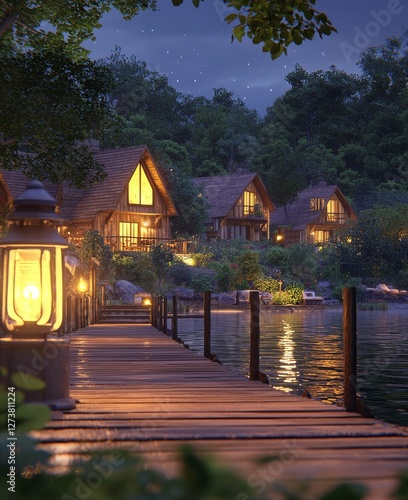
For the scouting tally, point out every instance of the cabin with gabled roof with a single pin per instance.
(239, 206)
(131, 207)
(314, 217)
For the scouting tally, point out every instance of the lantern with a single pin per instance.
(32, 266)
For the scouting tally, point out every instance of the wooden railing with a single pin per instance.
(142, 244)
(250, 212)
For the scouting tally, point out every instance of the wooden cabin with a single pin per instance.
(239, 206)
(131, 207)
(313, 217)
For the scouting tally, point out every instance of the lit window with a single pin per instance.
(140, 190)
(249, 202)
(128, 232)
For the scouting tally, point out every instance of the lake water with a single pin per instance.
(304, 350)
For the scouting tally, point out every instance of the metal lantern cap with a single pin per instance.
(35, 203)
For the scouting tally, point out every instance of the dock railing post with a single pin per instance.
(160, 301)
(164, 329)
(350, 348)
(207, 324)
(255, 336)
(174, 320)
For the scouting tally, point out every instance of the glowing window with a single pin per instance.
(140, 190)
(249, 202)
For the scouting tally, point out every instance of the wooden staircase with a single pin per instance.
(124, 314)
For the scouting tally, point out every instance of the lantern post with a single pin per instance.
(32, 302)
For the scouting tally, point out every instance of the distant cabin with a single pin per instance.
(239, 206)
(131, 207)
(313, 217)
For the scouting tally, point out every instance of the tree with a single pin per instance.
(52, 31)
(37, 117)
(275, 24)
(23, 23)
(375, 247)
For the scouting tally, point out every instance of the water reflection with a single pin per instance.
(287, 372)
(305, 350)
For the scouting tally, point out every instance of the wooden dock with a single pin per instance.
(140, 390)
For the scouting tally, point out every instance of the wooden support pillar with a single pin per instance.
(164, 329)
(350, 348)
(207, 324)
(254, 336)
(174, 321)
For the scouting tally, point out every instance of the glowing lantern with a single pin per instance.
(32, 266)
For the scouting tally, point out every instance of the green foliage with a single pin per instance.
(294, 292)
(38, 118)
(4, 213)
(201, 282)
(44, 23)
(27, 416)
(276, 257)
(375, 246)
(162, 257)
(303, 263)
(249, 266)
(276, 25)
(266, 284)
(191, 206)
(226, 275)
(137, 269)
(181, 274)
(93, 246)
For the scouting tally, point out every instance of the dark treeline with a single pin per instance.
(351, 130)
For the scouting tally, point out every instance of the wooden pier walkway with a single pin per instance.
(140, 390)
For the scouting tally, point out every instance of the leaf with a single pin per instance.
(177, 3)
(230, 18)
(351, 491)
(32, 416)
(238, 32)
(27, 382)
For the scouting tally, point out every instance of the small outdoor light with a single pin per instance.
(83, 286)
(32, 296)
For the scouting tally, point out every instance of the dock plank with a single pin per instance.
(139, 390)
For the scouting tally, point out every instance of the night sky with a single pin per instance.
(193, 48)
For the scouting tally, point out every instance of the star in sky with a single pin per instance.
(192, 47)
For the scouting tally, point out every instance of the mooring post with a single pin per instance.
(174, 321)
(207, 324)
(164, 329)
(160, 328)
(153, 311)
(350, 348)
(255, 336)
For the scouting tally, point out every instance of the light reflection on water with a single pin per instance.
(305, 350)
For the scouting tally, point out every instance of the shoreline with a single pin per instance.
(197, 307)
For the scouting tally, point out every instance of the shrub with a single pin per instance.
(201, 282)
(226, 276)
(180, 274)
(266, 284)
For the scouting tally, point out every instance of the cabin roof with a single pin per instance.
(223, 191)
(299, 215)
(84, 204)
(119, 166)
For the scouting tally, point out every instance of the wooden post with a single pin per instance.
(174, 321)
(350, 348)
(237, 294)
(160, 327)
(154, 311)
(207, 324)
(164, 329)
(255, 336)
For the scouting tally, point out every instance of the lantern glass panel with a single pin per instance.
(30, 286)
